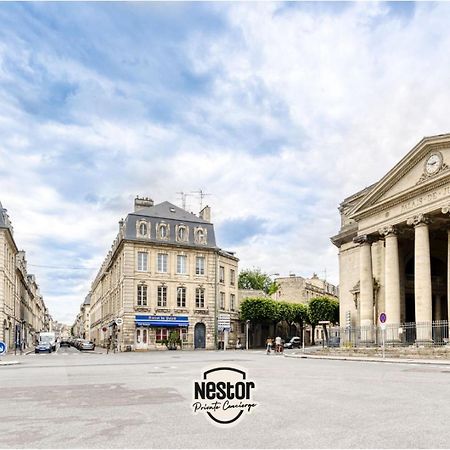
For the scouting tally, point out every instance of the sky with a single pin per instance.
(278, 111)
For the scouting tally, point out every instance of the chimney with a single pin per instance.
(142, 202)
(205, 213)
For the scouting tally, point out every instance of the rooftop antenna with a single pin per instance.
(202, 195)
(183, 196)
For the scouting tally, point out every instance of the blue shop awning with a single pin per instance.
(161, 321)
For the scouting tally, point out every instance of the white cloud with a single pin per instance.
(302, 108)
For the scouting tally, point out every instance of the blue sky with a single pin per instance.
(278, 110)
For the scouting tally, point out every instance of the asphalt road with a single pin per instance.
(138, 400)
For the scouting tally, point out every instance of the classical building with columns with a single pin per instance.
(394, 248)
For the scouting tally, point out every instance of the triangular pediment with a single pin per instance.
(426, 164)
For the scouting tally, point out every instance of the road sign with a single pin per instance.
(119, 321)
(3, 348)
(383, 317)
(224, 322)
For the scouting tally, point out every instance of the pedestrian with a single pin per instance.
(278, 344)
(108, 345)
(268, 345)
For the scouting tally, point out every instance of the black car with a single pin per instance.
(293, 343)
(64, 343)
(43, 347)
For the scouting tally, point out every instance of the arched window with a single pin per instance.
(143, 229)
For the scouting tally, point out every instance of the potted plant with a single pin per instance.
(173, 341)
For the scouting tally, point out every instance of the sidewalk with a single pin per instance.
(440, 362)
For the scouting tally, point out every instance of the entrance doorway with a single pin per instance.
(141, 338)
(200, 335)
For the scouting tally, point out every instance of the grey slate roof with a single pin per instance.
(171, 215)
(167, 210)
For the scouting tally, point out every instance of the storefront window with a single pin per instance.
(161, 334)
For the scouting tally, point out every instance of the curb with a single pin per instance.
(9, 363)
(374, 360)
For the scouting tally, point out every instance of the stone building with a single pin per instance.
(164, 272)
(296, 289)
(23, 313)
(394, 247)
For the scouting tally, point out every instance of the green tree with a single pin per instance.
(322, 309)
(300, 312)
(257, 280)
(258, 310)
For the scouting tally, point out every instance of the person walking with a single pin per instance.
(278, 344)
(108, 345)
(268, 345)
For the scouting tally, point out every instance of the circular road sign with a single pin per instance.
(3, 348)
(119, 321)
(383, 317)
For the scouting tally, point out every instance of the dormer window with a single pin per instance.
(142, 229)
(182, 233)
(200, 236)
(163, 231)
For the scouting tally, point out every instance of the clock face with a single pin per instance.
(433, 164)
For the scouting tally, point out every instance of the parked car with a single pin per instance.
(293, 342)
(86, 345)
(64, 343)
(43, 347)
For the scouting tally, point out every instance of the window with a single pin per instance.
(163, 231)
(222, 300)
(143, 229)
(232, 302)
(142, 261)
(199, 298)
(142, 295)
(232, 277)
(162, 262)
(181, 264)
(161, 334)
(221, 274)
(184, 334)
(181, 297)
(200, 265)
(200, 236)
(162, 296)
(182, 233)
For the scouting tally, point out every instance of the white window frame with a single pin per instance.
(142, 261)
(200, 268)
(200, 298)
(162, 262)
(222, 300)
(142, 295)
(182, 264)
(162, 296)
(181, 297)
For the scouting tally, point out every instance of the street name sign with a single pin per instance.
(224, 322)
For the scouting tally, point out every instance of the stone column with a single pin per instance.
(422, 278)
(446, 210)
(392, 283)
(366, 288)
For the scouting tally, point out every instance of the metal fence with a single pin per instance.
(434, 333)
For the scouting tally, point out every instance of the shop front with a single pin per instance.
(153, 331)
